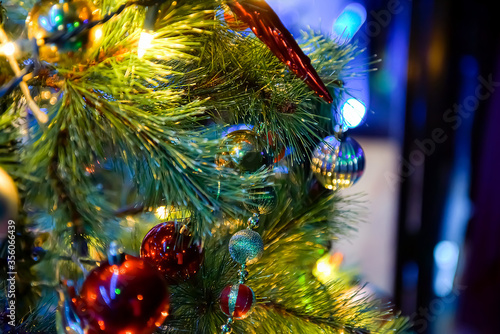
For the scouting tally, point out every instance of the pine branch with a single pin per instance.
(63, 198)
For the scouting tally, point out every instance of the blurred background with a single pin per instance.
(427, 121)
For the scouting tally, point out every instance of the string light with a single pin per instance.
(147, 31)
(353, 113)
(144, 43)
(97, 34)
(327, 267)
(40, 116)
(162, 212)
(8, 49)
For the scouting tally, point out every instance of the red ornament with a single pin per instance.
(268, 27)
(237, 300)
(173, 253)
(232, 22)
(131, 297)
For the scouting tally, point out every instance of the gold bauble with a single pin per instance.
(51, 17)
(242, 150)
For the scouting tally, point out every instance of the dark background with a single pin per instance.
(435, 94)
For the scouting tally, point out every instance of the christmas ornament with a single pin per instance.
(53, 19)
(9, 199)
(338, 164)
(268, 27)
(233, 22)
(246, 246)
(175, 254)
(236, 301)
(261, 200)
(242, 150)
(123, 295)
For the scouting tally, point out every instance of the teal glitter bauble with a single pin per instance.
(246, 246)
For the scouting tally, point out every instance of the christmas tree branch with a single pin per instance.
(64, 199)
(290, 299)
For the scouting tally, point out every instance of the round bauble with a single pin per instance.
(237, 300)
(242, 150)
(9, 199)
(128, 297)
(338, 164)
(176, 255)
(246, 246)
(261, 200)
(51, 17)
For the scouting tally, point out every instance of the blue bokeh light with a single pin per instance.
(446, 255)
(349, 21)
(353, 113)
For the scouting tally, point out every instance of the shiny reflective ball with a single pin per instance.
(176, 255)
(237, 301)
(246, 246)
(262, 200)
(338, 164)
(130, 297)
(50, 18)
(242, 150)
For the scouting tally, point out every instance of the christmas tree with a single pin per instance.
(174, 167)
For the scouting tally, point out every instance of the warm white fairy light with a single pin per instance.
(97, 34)
(327, 267)
(144, 43)
(8, 49)
(40, 116)
(162, 212)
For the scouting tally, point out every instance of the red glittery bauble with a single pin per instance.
(173, 253)
(131, 297)
(237, 300)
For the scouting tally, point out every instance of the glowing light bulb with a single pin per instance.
(323, 269)
(144, 43)
(349, 21)
(162, 212)
(327, 267)
(97, 34)
(8, 49)
(353, 113)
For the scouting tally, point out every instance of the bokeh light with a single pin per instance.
(349, 21)
(353, 113)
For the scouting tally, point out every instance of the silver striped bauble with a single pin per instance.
(338, 164)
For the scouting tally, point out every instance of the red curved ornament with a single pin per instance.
(268, 27)
(131, 297)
